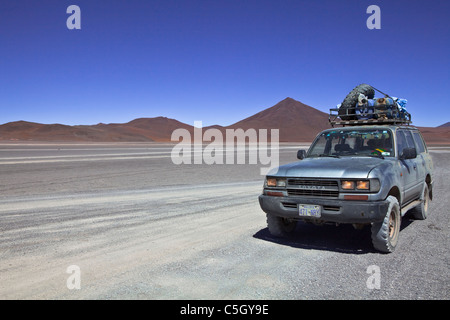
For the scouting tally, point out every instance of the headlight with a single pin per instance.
(358, 184)
(370, 185)
(348, 185)
(271, 182)
(276, 182)
(363, 185)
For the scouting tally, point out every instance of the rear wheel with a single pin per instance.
(280, 227)
(420, 212)
(385, 234)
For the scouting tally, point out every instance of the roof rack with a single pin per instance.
(369, 116)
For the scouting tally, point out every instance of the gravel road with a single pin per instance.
(139, 227)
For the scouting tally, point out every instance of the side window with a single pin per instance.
(401, 142)
(409, 139)
(419, 142)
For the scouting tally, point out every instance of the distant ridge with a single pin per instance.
(445, 125)
(297, 122)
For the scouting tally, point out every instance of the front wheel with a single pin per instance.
(385, 234)
(280, 227)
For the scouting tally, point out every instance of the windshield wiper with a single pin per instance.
(329, 155)
(376, 156)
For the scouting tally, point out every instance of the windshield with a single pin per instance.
(358, 142)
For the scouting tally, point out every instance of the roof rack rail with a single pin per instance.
(369, 116)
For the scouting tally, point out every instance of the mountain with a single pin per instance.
(439, 135)
(296, 122)
(30, 131)
(146, 129)
(138, 130)
(445, 125)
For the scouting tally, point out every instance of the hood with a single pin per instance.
(344, 167)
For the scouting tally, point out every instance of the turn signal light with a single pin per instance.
(356, 197)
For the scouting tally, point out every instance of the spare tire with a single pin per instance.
(347, 108)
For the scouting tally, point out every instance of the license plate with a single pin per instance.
(309, 210)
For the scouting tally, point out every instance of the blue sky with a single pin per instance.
(217, 61)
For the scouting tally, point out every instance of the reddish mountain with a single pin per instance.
(296, 122)
(30, 131)
(157, 129)
(143, 129)
(436, 136)
(445, 125)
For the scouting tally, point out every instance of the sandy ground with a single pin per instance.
(139, 227)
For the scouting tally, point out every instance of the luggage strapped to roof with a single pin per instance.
(385, 110)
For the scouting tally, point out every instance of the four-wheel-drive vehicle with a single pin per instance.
(356, 174)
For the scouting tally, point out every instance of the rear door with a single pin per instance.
(421, 155)
(417, 165)
(408, 173)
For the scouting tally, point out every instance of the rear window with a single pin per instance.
(409, 139)
(419, 142)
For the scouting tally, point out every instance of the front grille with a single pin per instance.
(313, 193)
(309, 182)
(312, 188)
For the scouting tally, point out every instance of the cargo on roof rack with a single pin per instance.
(370, 116)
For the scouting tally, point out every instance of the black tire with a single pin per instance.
(421, 211)
(280, 227)
(348, 105)
(385, 234)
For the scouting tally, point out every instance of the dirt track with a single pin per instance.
(140, 227)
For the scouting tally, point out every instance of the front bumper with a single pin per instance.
(340, 211)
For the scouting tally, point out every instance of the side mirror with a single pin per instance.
(408, 153)
(301, 154)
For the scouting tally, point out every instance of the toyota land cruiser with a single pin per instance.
(357, 174)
